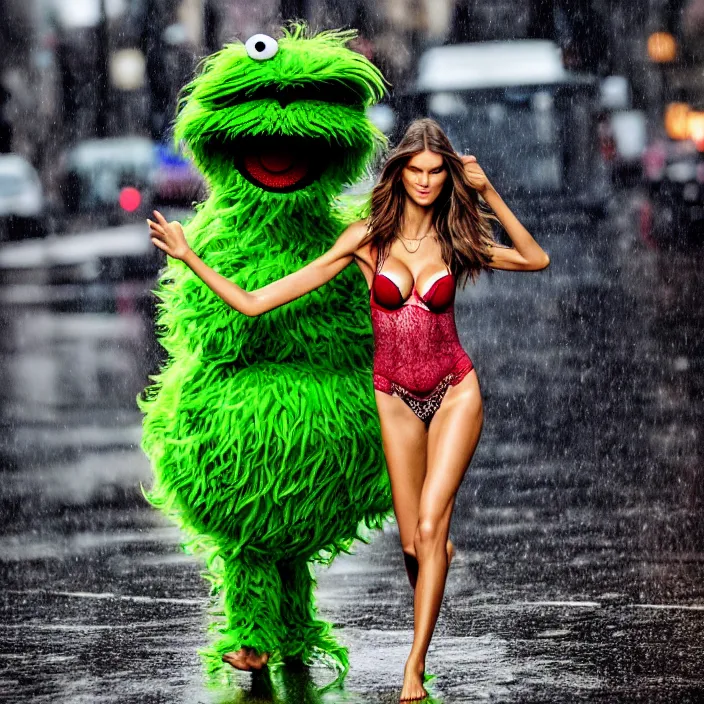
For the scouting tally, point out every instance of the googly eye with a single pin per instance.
(261, 47)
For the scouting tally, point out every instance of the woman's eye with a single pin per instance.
(261, 47)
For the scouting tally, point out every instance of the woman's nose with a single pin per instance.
(423, 180)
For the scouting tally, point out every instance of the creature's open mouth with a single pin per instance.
(280, 163)
(277, 163)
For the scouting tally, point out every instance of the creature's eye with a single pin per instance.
(261, 47)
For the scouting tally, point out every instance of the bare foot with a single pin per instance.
(246, 659)
(413, 689)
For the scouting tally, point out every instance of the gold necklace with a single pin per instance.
(406, 239)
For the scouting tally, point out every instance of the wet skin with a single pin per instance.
(426, 465)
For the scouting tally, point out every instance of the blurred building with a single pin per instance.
(74, 69)
(21, 115)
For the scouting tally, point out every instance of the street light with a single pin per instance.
(662, 47)
(676, 117)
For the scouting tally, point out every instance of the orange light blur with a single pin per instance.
(662, 47)
(695, 128)
(677, 120)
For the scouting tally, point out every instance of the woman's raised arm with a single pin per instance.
(526, 254)
(170, 238)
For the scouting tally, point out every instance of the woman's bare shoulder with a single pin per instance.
(353, 235)
(358, 228)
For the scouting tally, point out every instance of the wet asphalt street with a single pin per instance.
(580, 565)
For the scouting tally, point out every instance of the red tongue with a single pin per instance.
(277, 169)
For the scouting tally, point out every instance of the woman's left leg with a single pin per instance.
(453, 435)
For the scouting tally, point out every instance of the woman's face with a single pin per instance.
(424, 176)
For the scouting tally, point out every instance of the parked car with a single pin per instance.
(22, 204)
(530, 122)
(674, 173)
(109, 178)
(622, 131)
(121, 179)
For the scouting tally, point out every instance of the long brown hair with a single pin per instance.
(460, 219)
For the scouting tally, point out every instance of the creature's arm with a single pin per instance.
(169, 237)
(526, 254)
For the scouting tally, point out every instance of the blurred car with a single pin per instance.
(110, 178)
(22, 204)
(383, 117)
(622, 131)
(176, 182)
(357, 194)
(530, 122)
(674, 173)
(122, 179)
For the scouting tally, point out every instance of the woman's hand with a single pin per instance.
(168, 236)
(475, 174)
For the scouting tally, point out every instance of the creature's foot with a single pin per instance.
(246, 659)
(413, 689)
(306, 636)
(249, 620)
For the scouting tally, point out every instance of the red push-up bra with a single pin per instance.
(440, 295)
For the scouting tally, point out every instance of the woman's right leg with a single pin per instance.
(405, 438)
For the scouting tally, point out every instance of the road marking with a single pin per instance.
(684, 607)
(111, 595)
(200, 602)
(559, 603)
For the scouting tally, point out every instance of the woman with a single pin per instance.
(427, 229)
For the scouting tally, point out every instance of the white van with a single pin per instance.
(529, 121)
(22, 203)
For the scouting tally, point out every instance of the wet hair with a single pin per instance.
(462, 221)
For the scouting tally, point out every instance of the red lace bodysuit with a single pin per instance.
(417, 352)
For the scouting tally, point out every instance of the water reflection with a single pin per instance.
(297, 685)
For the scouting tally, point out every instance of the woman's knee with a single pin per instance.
(430, 530)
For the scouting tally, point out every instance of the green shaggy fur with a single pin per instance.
(262, 432)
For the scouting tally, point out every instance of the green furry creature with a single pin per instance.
(262, 431)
